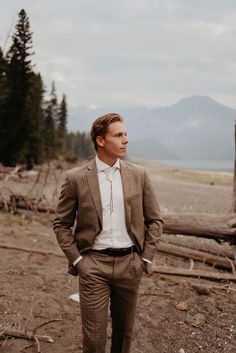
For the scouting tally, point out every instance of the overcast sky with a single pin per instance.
(132, 52)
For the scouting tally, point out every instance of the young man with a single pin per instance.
(118, 225)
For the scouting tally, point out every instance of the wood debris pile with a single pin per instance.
(40, 188)
(209, 239)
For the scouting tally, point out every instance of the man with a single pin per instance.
(117, 229)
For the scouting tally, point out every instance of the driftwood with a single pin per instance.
(35, 199)
(214, 275)
(6, 332)
(198, 283)
(162, 247)
(212, 246)
(33, 251)
(30, 204)
(205, 289)
(21, 202)
(197, 255)
(200, 225)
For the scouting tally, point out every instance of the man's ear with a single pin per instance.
(100, 141)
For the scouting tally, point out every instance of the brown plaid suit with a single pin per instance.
(104, 277)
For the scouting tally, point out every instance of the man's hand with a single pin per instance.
(76, 263)
(77, 266)
(148, 268)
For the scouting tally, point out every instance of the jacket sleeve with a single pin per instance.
(65, 219)
(152, 219)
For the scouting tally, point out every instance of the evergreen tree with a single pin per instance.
(21, 49)
(3, 80)
(78, 146)
(4, 91)
(50, 125)
(19, 71)
(33, 152)
(54, 104)
(49, 132)
(61, 127)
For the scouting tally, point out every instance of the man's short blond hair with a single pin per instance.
(101, 124)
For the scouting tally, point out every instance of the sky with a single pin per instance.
(131, 52)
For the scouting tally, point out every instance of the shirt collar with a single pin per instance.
(102, 166)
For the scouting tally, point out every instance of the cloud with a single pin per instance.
(193, 124)
(143, 51)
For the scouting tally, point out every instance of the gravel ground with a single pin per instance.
(180, 197)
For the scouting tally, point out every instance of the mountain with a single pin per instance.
(196, 127)
(149, 149)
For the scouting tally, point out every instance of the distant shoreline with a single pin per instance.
(198, 165)
(170, 172)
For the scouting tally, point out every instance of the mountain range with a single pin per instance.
(195, 128)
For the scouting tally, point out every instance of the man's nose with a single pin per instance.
(126, 139)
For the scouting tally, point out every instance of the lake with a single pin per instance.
(213, 165)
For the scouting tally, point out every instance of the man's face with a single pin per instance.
(115, 141)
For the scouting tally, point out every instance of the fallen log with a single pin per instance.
(33, 251)
(23, 204)
(199, 225)
(162, 247)
(22, 334)
(198, 282)
(202, 256)
(218, 276)
(211, 246)
(31, 335)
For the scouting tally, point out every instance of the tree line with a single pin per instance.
(32, 128)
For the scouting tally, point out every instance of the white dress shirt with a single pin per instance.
(114, 233)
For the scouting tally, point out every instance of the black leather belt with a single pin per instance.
(116, 252)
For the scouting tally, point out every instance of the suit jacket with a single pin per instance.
(79, 206)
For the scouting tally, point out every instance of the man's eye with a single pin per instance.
(121, 135)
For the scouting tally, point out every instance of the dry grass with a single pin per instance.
(10, 219)
(188, 175)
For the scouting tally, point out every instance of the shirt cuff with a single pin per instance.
(77, 260)
(146, 260)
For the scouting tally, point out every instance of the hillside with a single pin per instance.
(196, 127)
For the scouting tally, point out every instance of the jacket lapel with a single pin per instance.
(92, 179)
(126, 183)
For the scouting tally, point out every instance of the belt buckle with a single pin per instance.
(110, 252)
(116, 252)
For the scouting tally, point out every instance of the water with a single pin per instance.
(213, 165)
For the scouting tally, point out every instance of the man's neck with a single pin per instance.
(107, 160)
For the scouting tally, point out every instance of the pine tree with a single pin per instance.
(19, 71)
(50, 113)
(4, 91)
(78, 146)
(54, 104)
(61, 127)
(3, 80)
(49, 133)
(33, 152)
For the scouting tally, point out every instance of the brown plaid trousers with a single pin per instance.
(102, 279)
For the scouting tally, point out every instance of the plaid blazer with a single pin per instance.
(79, 206)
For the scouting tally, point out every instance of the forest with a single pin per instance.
(33, 122)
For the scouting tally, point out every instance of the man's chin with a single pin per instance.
(122, 155)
